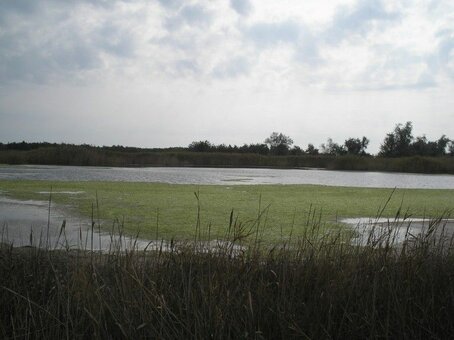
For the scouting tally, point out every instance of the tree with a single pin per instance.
(419, 146)
(332, 148)
(311, 150)
(356, 146)
(201, 146)
(279, 143)
(398, 142)
(261, 149)
(442, 143)
(296, 151)
(422, 147)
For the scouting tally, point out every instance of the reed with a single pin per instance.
(92, 156)
(315, 285)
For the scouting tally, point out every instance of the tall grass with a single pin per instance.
(84, 156)
(314, 286)
(415, 164)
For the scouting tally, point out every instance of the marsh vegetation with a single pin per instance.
(315, 285)
(141, 205)
(399, 152)
(233, 262)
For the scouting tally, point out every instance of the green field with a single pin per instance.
(173, 208)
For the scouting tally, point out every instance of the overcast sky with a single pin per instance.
(166, 73)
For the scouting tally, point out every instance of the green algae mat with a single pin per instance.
(175, 211)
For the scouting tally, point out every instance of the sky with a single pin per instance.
(168, 72)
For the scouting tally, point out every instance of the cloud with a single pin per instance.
(265, 34)
(307, 50)
(171, 4)
(445, 51)
(27, 7)
(242, 7)
(184, 67)
(41, 43)
(232, 68)
(114, 40)
(399, 68)
(41, 60)
(297, 36)
(175, 38)
(18, 7)
(183, 42)
(191, 15)
(358, 20)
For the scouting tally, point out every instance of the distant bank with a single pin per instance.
(86, 155)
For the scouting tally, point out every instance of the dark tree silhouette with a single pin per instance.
(356, 146)
(279, 143)
(311, 150)
(397, 143)
(401, 143)
(201, 146)
(332, 148)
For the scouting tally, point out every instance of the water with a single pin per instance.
(397, 231)
(28, 223)
(229, 176)
(32, 223)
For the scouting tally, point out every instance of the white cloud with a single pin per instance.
(359, 20)
(279, 61)
(266, 34)
(232, 68)
(242, 7)
(190, 16)
(48, 43)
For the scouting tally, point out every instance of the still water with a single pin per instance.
(34, 223)
(229, 176)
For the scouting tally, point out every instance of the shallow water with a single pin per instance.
(33, 223)
(229, 176)
(398, 231)
(28, 223)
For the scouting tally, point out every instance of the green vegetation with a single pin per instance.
(401, 143)
(414, 164)
(399, 152)
(173, 207)
(313, 287)
(285, 268)
(92, 156)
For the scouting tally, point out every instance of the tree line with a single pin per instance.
(398, 143)
(25, 146)
(282, 145)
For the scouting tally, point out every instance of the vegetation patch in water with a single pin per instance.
(170, 210)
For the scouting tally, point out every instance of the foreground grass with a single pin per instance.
(312, 288)
(171, 210)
